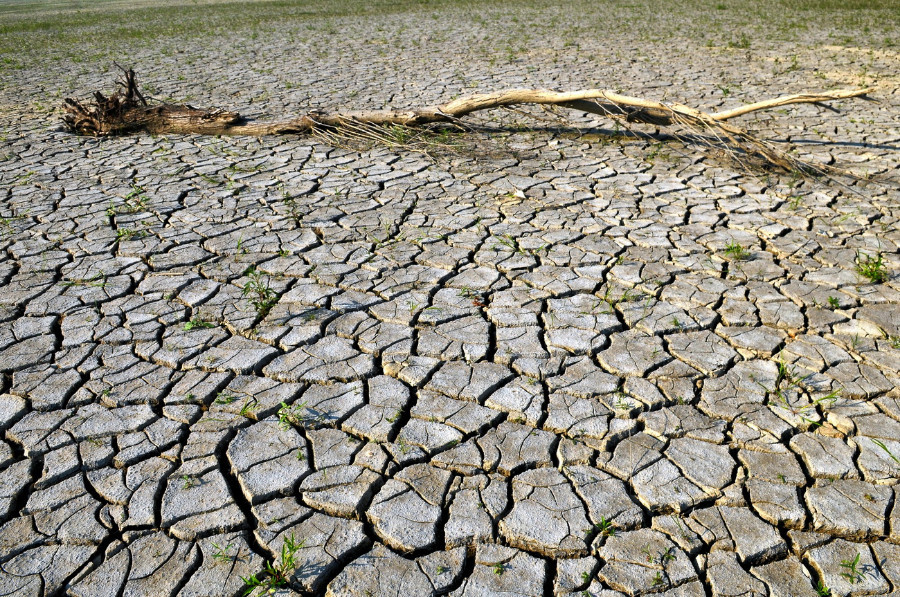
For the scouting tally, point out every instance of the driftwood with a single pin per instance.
(128, 111)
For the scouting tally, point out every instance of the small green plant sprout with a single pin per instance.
(736, 251)
(220, 553)
(507, 240)
(288, 416)
(301, 455)
(606, 528)
(870, 267)
(894, 341)
(822, 590)
(667, 556)
(622, 404)
(851, 570)
(197, 324)
(187, 481)
(440, 570)
(136, 194)
(742, 44)
(803, 410)
(225, 398)
(129, 233)
(511, 243)
(135, 201)
(277, 572)
(499, 568)
(657, 151)
(250, 405)
(6, 224)
(658, 579)
(785, 373)
(681, 529)
(833, 303)
(881, 445)
(825, 401)
(260, 295)
(240, 245)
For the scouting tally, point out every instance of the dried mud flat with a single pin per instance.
(551, 361)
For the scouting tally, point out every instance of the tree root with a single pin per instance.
(128, 112)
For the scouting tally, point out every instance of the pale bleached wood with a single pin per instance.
(128, 113)
(797, 98)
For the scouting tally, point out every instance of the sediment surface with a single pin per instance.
(537, 358)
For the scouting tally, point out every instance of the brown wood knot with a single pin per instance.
(221, 116)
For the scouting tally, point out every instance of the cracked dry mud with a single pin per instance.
(529, 366)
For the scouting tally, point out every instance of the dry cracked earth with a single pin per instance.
(550, 362)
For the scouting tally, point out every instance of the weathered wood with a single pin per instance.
(128, 112)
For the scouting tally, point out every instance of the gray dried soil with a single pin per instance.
(524, 365)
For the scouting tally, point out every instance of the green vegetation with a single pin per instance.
(277, 572)
(6, 224)
(743, 43)
(31, 31)
(788, 392)
(881, 445)
(290, 415)
(225, 398)
(250, 405)
(258, 292)
(851, 570)
(734, 250)
(221, 552)
(606, 528)
(130, 233)
(871, 267)
(197, 324)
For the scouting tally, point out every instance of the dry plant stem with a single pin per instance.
(128, 112)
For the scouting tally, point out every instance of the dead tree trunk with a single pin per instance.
(128, 112)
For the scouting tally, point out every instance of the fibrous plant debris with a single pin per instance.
(127, 111)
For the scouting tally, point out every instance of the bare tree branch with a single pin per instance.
(127, 112)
